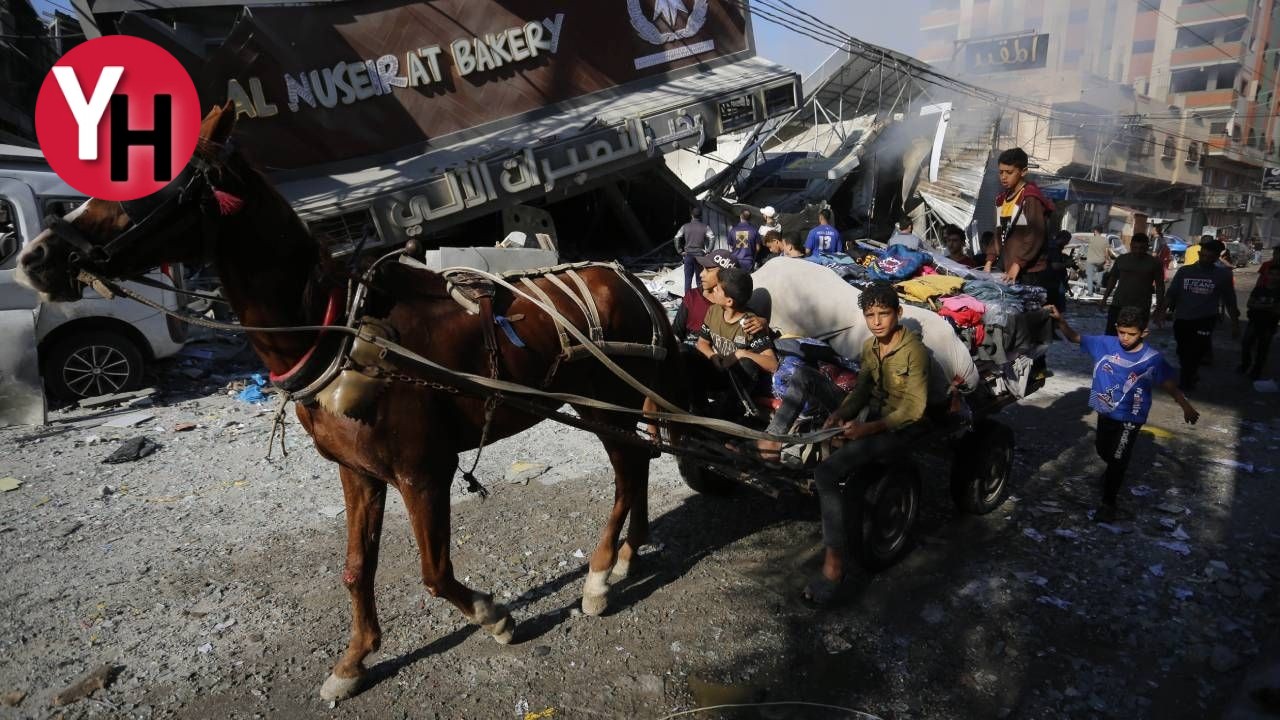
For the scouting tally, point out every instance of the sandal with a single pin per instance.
(822, 591)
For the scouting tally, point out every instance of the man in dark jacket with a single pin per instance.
(1022, 212)
(692, 240)
(1194, 296)
(744, 242)
(1134, 277)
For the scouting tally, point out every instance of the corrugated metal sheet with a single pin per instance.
(966, 155)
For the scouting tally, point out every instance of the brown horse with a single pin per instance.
(275, 274)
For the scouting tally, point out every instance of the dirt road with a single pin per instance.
(208, 578)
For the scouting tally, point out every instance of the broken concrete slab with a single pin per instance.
(129, 420)
(115, 398)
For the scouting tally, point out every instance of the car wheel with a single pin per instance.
(91, 364)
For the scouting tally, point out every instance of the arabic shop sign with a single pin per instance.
(533, 172)
(318, 84)
(1025, 52)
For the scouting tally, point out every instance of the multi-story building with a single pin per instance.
(1184, 93)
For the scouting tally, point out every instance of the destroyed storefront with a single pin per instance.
(876, 141)
(456, 122)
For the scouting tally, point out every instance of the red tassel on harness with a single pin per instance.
(228, 204)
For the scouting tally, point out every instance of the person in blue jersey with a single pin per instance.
(1126, 371)
(823, 239)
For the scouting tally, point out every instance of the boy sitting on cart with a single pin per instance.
(744, 358)
(892, 388)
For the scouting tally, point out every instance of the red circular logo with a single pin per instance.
(117, 118)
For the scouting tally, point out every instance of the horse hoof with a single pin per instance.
(339, 688)
(594, 605)
(504, 631)
(620, 571)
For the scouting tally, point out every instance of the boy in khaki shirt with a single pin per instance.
(893, 386)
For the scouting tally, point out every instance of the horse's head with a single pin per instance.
(125, 239)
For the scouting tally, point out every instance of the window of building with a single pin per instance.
(1170, 147)
(1188, 80)
(10, 241)
(1253, 138)
(1234, 34)
(1218, 128)
(1193, 153)
(1144, 46)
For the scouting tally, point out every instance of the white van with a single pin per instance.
(93, 347)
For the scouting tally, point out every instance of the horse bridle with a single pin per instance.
(163, 217)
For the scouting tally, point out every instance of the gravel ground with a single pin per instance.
(207, 577)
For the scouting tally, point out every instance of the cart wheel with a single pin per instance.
(980, 468)
(883, 518)
(704, 479)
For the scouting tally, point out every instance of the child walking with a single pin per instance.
(1125, 371)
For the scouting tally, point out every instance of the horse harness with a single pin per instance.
(350, 380)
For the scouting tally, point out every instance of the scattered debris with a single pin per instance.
(1156, 570)
(131, 450)
(1183, 593)
(1033, 534)
(1180, 534)
(129, 420)
(202, 608)
(1179, 547)
(9, 483)
(69, 528)
(1140, 490)
(1226, 462)
(13, 699)
(1170, 508)
(184, 427)
(332, 511)
(205, 649)
(1066, 533)
(1054, 601)
(578, 553)
(1115, 529)
(96, 679)
(522, 472)
(254, 392)
(224, 625)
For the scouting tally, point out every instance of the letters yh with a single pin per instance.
(350, 82)
(88, 114)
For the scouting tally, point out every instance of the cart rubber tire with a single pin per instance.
(980, 468)
(703, 479)
(68, 365)
(882, 520)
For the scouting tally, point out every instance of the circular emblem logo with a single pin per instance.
(117, 118)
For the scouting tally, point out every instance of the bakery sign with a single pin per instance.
(322, 83)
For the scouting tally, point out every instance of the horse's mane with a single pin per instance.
(230, 159)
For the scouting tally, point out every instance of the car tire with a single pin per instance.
(90, 364)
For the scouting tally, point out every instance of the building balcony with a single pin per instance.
(1208, 98)
(1207, 54)
(1212, 11)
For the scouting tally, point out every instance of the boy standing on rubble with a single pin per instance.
(1125, 372)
